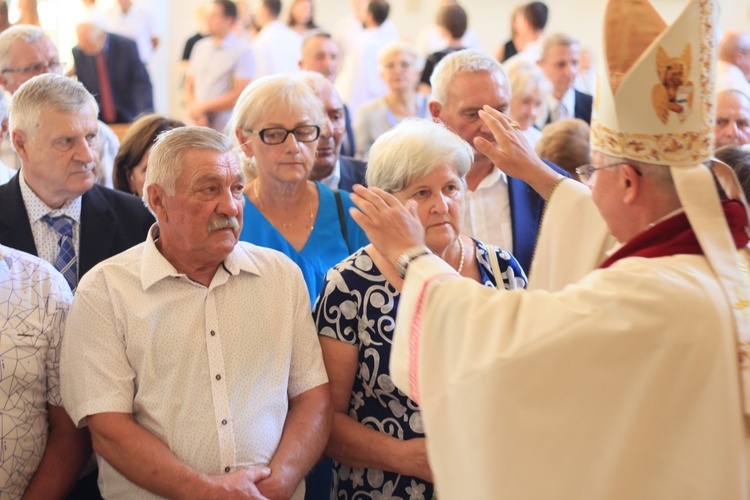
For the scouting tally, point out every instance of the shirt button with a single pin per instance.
(213, 333)
(227, 469)
(224, 422)
(218, 377)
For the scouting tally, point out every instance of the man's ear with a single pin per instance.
(18, 139)
(435, 108)
(157, 200)
(632, 183)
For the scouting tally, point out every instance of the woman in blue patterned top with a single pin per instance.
(377, 442)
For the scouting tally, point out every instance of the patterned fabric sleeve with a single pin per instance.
(336, 310)
(57, 310)
(512, 274)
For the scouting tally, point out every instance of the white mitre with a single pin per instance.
(655, 103)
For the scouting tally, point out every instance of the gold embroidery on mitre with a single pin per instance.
(674, 92)
(682, 148)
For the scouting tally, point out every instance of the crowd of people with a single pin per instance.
(372, 267)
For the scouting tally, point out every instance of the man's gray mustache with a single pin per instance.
(219, 222)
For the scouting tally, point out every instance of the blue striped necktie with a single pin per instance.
(66, 261)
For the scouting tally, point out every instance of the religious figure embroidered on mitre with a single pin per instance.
(673, 94)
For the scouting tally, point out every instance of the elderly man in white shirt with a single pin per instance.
(499, 209)
(192, 357)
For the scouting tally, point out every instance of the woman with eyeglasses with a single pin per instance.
(277, 121)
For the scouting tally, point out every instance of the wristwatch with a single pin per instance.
(409, 255)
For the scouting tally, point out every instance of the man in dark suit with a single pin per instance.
(321, 55)
(109, 67)
(53, 127)
(330, 168)
(559, 62)
(500, 210)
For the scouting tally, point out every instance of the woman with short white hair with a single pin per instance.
(377, 439)
(529, 91)
(400, 69)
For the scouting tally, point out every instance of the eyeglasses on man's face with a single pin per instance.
(586, 172)
(53, 66)
(277, 135)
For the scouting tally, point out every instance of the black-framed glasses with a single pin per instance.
(277, 135)
(586, 172)
(53, 66)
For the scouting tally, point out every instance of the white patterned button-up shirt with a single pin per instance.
(34, 300)
(208, 370)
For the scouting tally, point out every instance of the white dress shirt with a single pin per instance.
(215, 67)
(333, 180)
(277, 49)
(136, 24)
(46, 239)
(208, 370)
(487, 212)
(6, 172)
(568, 102)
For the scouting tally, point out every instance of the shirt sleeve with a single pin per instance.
(57, 310)
(307, 369)
(572, 241)
(336, 310)
(246, 64)
(96, 374)
(512, 274)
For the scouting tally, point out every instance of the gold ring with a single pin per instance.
(515, 125)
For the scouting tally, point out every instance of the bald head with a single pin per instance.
(732, 118)
(734, 48)
(332, 134)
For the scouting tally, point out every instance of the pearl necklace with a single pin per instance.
(288, 224)
(460, 262)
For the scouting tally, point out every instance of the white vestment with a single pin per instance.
(623, 385)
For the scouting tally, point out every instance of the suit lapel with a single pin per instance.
(98, 230)
(15, 228)
(525, 212)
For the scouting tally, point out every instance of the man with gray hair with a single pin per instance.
(192, 357)
(53, 209)
(559, 62)
(331, 167)
(26, 51)
(499, 209)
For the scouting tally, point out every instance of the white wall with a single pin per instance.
(489, 18)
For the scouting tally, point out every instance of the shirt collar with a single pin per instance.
(227, 41)
(36, 208)
(155, 267)
(333, 180)
(496, 175)
(568, 100)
